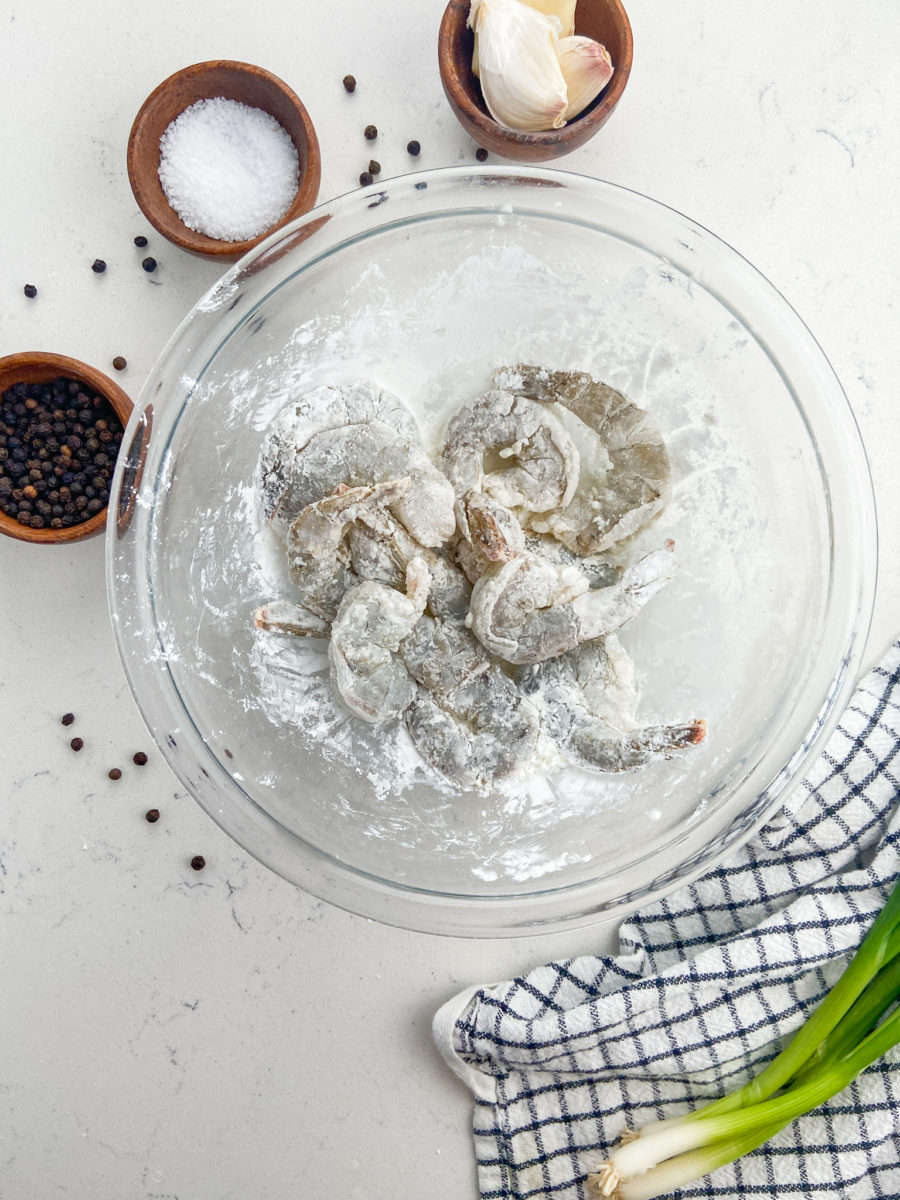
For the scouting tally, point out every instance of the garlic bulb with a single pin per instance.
(518, 64)
(563, 10)
(587, 69)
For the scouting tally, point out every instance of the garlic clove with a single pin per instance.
(586, 68)
(563, 10)
(518, 65)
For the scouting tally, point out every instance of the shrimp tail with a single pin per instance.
(597, 746)
(280, 616)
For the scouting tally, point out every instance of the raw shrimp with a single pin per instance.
(588, 698)
(321, 408)
(500, 427)
(363, 454)
(480, 731)
(468, 719)
(370, 624)
(383, 550)
(318, 559)
(529, 609)
(280, 616)
(441, 653)
(493, 534)
(599, 570)
(612, 506)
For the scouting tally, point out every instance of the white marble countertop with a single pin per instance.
(170, 1034)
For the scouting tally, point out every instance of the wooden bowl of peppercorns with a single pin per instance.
(61, 425)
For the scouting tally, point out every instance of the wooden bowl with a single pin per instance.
(35, 367)
(205, 81)
(604, 20)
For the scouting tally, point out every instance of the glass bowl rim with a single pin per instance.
(553, 908)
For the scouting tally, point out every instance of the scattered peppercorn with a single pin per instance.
(366, 178)
(371, 133)
(413, 148)
(198, 862)
(115, 773)
(76, 744)
(98, 266)
(140, 758)
(67, 719)
(140, 240)
(120, 363)
(481, 154)
(151, 815)
(58, 444)
(374, 167)
(30, 290)
(149, 264)
(349, 83)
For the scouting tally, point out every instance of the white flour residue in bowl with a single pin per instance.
(427, 339)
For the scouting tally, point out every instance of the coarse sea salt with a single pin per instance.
(230, 171)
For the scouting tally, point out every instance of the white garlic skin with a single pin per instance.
(587, 68)
(563, 10)
(518, 65)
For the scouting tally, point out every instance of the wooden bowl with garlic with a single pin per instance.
(534, 79)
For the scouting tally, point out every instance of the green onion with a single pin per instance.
(853, 1026)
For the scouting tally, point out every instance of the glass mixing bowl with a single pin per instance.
(425, 284)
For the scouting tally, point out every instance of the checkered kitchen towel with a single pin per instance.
(561, 1059)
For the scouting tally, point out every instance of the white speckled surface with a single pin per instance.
(170, 1034)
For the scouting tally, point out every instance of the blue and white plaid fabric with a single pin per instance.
(563, 1058)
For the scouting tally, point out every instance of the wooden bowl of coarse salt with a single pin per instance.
(220, 155)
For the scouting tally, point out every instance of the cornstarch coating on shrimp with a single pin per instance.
(635, 487)
(475, 598)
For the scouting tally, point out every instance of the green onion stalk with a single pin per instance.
(853, 1026)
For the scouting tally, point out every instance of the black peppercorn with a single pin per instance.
(120, 363)
(349, 83)
(149, 264)
(151, 815)
(115, 773)
(413, 148)
(370, 133)
(366, 178)
(76, 744)
(481, 154)
(67, 719)
(30, 290)
(98, 266)
(198, 862)
(140, 240)
(140, 758)
(374, 167)
(46, 430)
